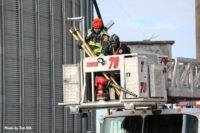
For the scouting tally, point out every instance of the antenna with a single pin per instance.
(153, 36)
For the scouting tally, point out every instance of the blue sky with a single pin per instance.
(137, 20)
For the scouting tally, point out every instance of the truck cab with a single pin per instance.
(171, 120)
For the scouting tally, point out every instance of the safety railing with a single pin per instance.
(184, 78)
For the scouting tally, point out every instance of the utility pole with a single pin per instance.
(197, 10)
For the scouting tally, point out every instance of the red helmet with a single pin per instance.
(97, 23)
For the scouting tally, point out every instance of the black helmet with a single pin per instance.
(114, 38)
(114, 41)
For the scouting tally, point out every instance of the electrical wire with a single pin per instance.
(130, 17)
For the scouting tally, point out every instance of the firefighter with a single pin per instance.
(116, 47)
(97, 37)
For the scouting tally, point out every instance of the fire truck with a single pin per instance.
(179, 79)
(145, 92)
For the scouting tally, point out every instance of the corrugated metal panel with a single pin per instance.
(93, 123)
(45, 66)
(78, 121)
(90, 13)
(58, 64)
(38, 77)
(52, 66)
(35, 79)
(84, 12)
(70, 123)
(77, 13)
(12, 102)
(1, 67)
(69, 117)
(68, 37)
(64, 45)
(30, 91)
(87, 13)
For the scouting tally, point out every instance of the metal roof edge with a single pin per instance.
(149, 42)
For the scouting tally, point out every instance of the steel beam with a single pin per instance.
(97, 10)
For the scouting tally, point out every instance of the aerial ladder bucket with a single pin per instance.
(90, 53)
(144, 80)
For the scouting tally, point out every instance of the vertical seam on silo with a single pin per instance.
(64, 55)
(64, 31)
(89, 25)
(73, 44)
(52, 64)
(19, 50)
(38, 65)
(87, 14)
(1, 90)
(92, 13)
(74, 56)
(3, 65)
(81, 14)
(22, 60)
(93, 129)
(21, 65)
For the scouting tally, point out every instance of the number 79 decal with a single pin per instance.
(114, 60)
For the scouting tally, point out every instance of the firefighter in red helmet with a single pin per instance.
(97, 37)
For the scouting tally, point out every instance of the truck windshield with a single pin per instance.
(176, 123)
(132, 124)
